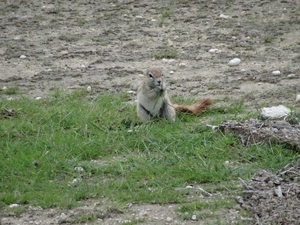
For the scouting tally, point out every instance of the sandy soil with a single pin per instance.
(107, 45)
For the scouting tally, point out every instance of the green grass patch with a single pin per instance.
(63, 149)
(10, 91)
(166, 52)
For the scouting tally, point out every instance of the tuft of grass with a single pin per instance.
(268, 39)
(10, 91)
(165, 13)
(64, 149)
(166, 52)
(69, 37)
(81, 21)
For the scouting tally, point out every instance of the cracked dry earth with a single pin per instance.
(107, 45)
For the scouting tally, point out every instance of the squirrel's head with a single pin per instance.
(155, 78)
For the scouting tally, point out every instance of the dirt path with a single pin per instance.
(75, 44)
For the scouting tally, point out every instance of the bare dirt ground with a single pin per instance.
(107, 45)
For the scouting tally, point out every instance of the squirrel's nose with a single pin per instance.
(159, 81)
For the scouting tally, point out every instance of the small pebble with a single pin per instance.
(182, 65)
(298, 98)
(276, 72)
(4, 88)
(169, 219)
(38, 98)
(23, 57)
(164, 60)
(224, 16)
(131, 92)
(153, 20)
(171, 72)
(63, 216)
(170, 43)
(194, 217)
(13, 205)
(74, 181)
(89, 89)
(171, 61)
(139, 17)
(214, 50)
(275, 112)
(291, 75)
(78, 169)
(234, 62)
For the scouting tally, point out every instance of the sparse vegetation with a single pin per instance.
(167, 53)
(268, 39)
(69, 37)
(10, 91)
(165, 13)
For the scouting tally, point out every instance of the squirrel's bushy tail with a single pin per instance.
(195, 108)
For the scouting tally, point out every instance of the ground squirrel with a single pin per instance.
(153, 100)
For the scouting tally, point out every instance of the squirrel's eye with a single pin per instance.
(150, 75)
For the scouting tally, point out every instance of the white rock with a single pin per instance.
(276, 72)
(9, 99)
(171, 72)
(139, 17)
(170, 43)
(13, 205)
(63, 216)
(189, 187)
(176, 37)
(131, 92)
(83, 66)
(38, 98)
(275, 112)
(194, 217)
(291, 75)
(4, 88)
(224, 16)
(153, 20)
(298, 98)
(75, 181)
(23, 57)
(234, 62)
(78, 169)
(171, 61)
(89, 89)
(182, 65)
(164, 60)
(214, 50)
(169, 219)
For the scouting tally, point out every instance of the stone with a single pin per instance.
(276, 72)
(234, 62)
(275, 112)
